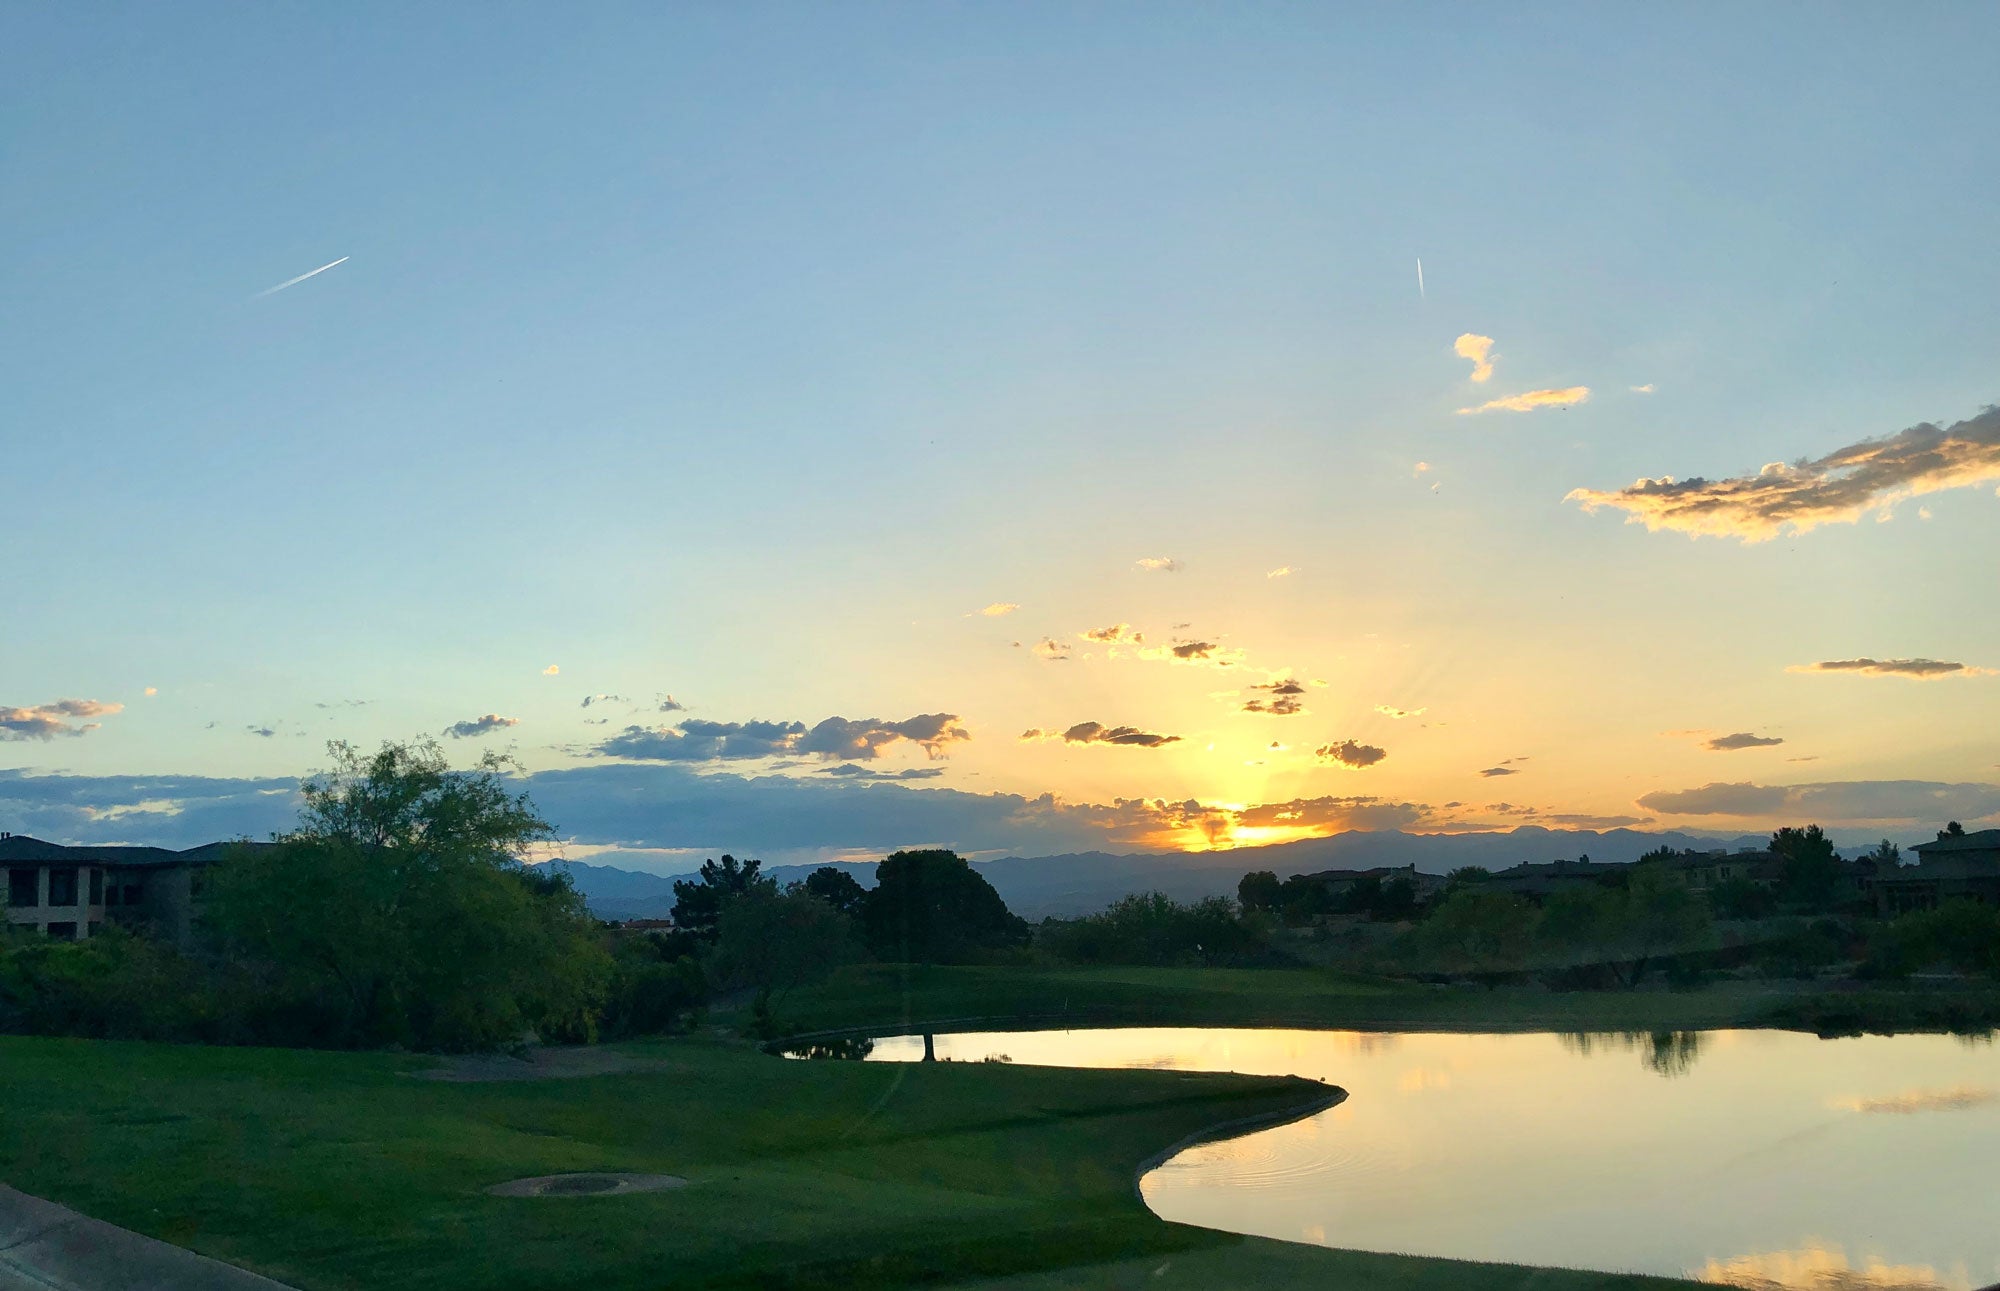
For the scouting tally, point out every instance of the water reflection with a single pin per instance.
(1670, 1053)
(1825, 1267)
(1855, 1164)
(843, 1047)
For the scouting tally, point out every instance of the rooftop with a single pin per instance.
(20, 848)
(1979, 840)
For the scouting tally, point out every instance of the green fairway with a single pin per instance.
(340, 1170)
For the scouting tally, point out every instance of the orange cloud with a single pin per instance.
(1478, 349)
(1531, 400)
(1840, 487)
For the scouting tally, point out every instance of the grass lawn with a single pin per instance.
(885, 998)
(336, 1170)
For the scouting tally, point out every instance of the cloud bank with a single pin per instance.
(1901, 801)
(835, 739)
(1839, 488)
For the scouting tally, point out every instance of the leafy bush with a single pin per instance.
(1153, 928)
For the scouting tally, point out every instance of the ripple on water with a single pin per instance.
(1278, 1160)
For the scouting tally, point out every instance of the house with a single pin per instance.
(1535, 882)
(1962, 866)
(69, 893)
(1339, 883)
(1701, 871)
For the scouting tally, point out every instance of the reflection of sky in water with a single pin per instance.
(1759, 1159)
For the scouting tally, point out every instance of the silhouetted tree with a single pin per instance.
(1258, 890)
(931, 906)
(1811, 872)
(1952, 830)
(698, 905)
(1886, 856)
(839, 889)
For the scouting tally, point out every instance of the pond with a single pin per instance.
(1761, 1159)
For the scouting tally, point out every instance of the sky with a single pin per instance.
(813, 430)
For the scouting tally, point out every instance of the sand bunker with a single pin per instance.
(586, 1185)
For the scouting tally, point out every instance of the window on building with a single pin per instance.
(62, 889)
(21, 884)
(111, 894)
(62, 932)
(97, 887)
(132, 893)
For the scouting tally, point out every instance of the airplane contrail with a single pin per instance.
(293, 282)
(1420, 276)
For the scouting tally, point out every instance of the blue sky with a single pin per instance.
(742, 354)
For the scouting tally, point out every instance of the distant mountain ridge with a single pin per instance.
(1075, 883)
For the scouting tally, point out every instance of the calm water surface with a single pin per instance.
(1752, 1158)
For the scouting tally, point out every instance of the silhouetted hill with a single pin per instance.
(1081, 882)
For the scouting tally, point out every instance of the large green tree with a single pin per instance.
(399, 911)
(931, 906)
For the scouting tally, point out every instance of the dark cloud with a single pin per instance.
(588, 700)
(866, 738)
(1193, 649)
(1116, 634)
(1501, 770)
(1740, 740)
(697, 740)
(836, 738)
(47, 721)
(1283, 699)
(1841, 487)
(1098, 733)
(668, 704)
(1351, 753)
(263, 731)
(1914, 801)
(1921, 669)
(855, 771)
(480, 726)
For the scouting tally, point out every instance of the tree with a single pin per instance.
(1951, 830)
(930, 906)
(399, 911)
(1811, 870)
(839, 889)
(774, 941)
(1478, 932)
(698, 905)
(1886, 856)
(1622, 930)
(1258, 890)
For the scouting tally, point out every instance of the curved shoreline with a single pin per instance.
(1234, 1128)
